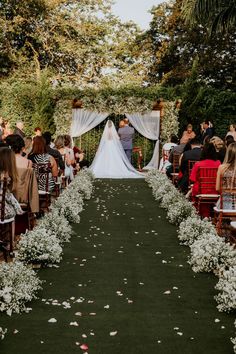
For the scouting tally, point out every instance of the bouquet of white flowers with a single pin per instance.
(180, 210)
(40, 245)
(210, 252)
(226, 299)
(69, 205)
(18, 285)
(193, 228)
(57, 224)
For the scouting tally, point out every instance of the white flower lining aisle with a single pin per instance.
(43, 245)
(209, 252)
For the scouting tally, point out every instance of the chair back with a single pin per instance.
(228, 192)
(207, 180)
(191, 163)
(3, 190)
(43, 172)
(176, 157)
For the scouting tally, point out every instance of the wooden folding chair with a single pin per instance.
(175, 164)
(6, 225)
(207, 187)
(226, 207)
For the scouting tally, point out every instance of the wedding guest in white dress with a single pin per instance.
(110, 160)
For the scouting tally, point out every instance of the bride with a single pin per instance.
(110, 160)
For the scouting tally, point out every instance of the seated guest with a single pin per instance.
(191, 155)
(219, 146)
(68, 160)
(39, 155)
(229, 140)
(19, 129)
(232, 131)
(8, 170)
(187, 135)
(164, 163)
(207, 131)
(37, 131)
(6, 127)
(176, 150)
(17, 144)
(53, 152)
(208, 159)
(80, 157)
(28, 145)
(227, 169)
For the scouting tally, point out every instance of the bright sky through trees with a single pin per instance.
(136, 10)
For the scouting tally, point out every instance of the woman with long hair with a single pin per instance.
(232, 131)
(8, 170)
(39, 156)
(226, 175)
(62, 144)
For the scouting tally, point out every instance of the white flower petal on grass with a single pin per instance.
(114, 333)
(84, 335)
(176, 328)
(74, 324)
(179, 333)
(78, 314)
(15, 331)
(52, 320)
(167, 292)
(164, 262)
(107, 307)
(217, 320)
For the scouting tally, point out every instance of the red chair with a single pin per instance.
(207, 193)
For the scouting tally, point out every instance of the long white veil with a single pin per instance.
(110, 160)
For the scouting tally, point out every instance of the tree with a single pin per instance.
(175, 46)
(220, 15)
(80, 41)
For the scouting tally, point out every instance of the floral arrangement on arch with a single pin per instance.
(117, 104)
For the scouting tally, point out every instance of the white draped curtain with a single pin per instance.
(83, 121)
(149, 126)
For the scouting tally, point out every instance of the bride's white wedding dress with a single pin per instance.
(110, 160)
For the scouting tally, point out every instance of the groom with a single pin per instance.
(126, 134)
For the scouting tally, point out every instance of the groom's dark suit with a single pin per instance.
(126, 135)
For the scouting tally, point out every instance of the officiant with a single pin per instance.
(126, 134)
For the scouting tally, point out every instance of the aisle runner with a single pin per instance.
(124, 287)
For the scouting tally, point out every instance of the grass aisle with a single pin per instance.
(123, 258)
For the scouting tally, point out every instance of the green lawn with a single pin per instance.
(122, 259)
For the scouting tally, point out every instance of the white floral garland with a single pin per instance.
(18, 285)
(114, 104)
(18, 282)
(209, 252)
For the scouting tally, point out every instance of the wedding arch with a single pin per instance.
(137, 104)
